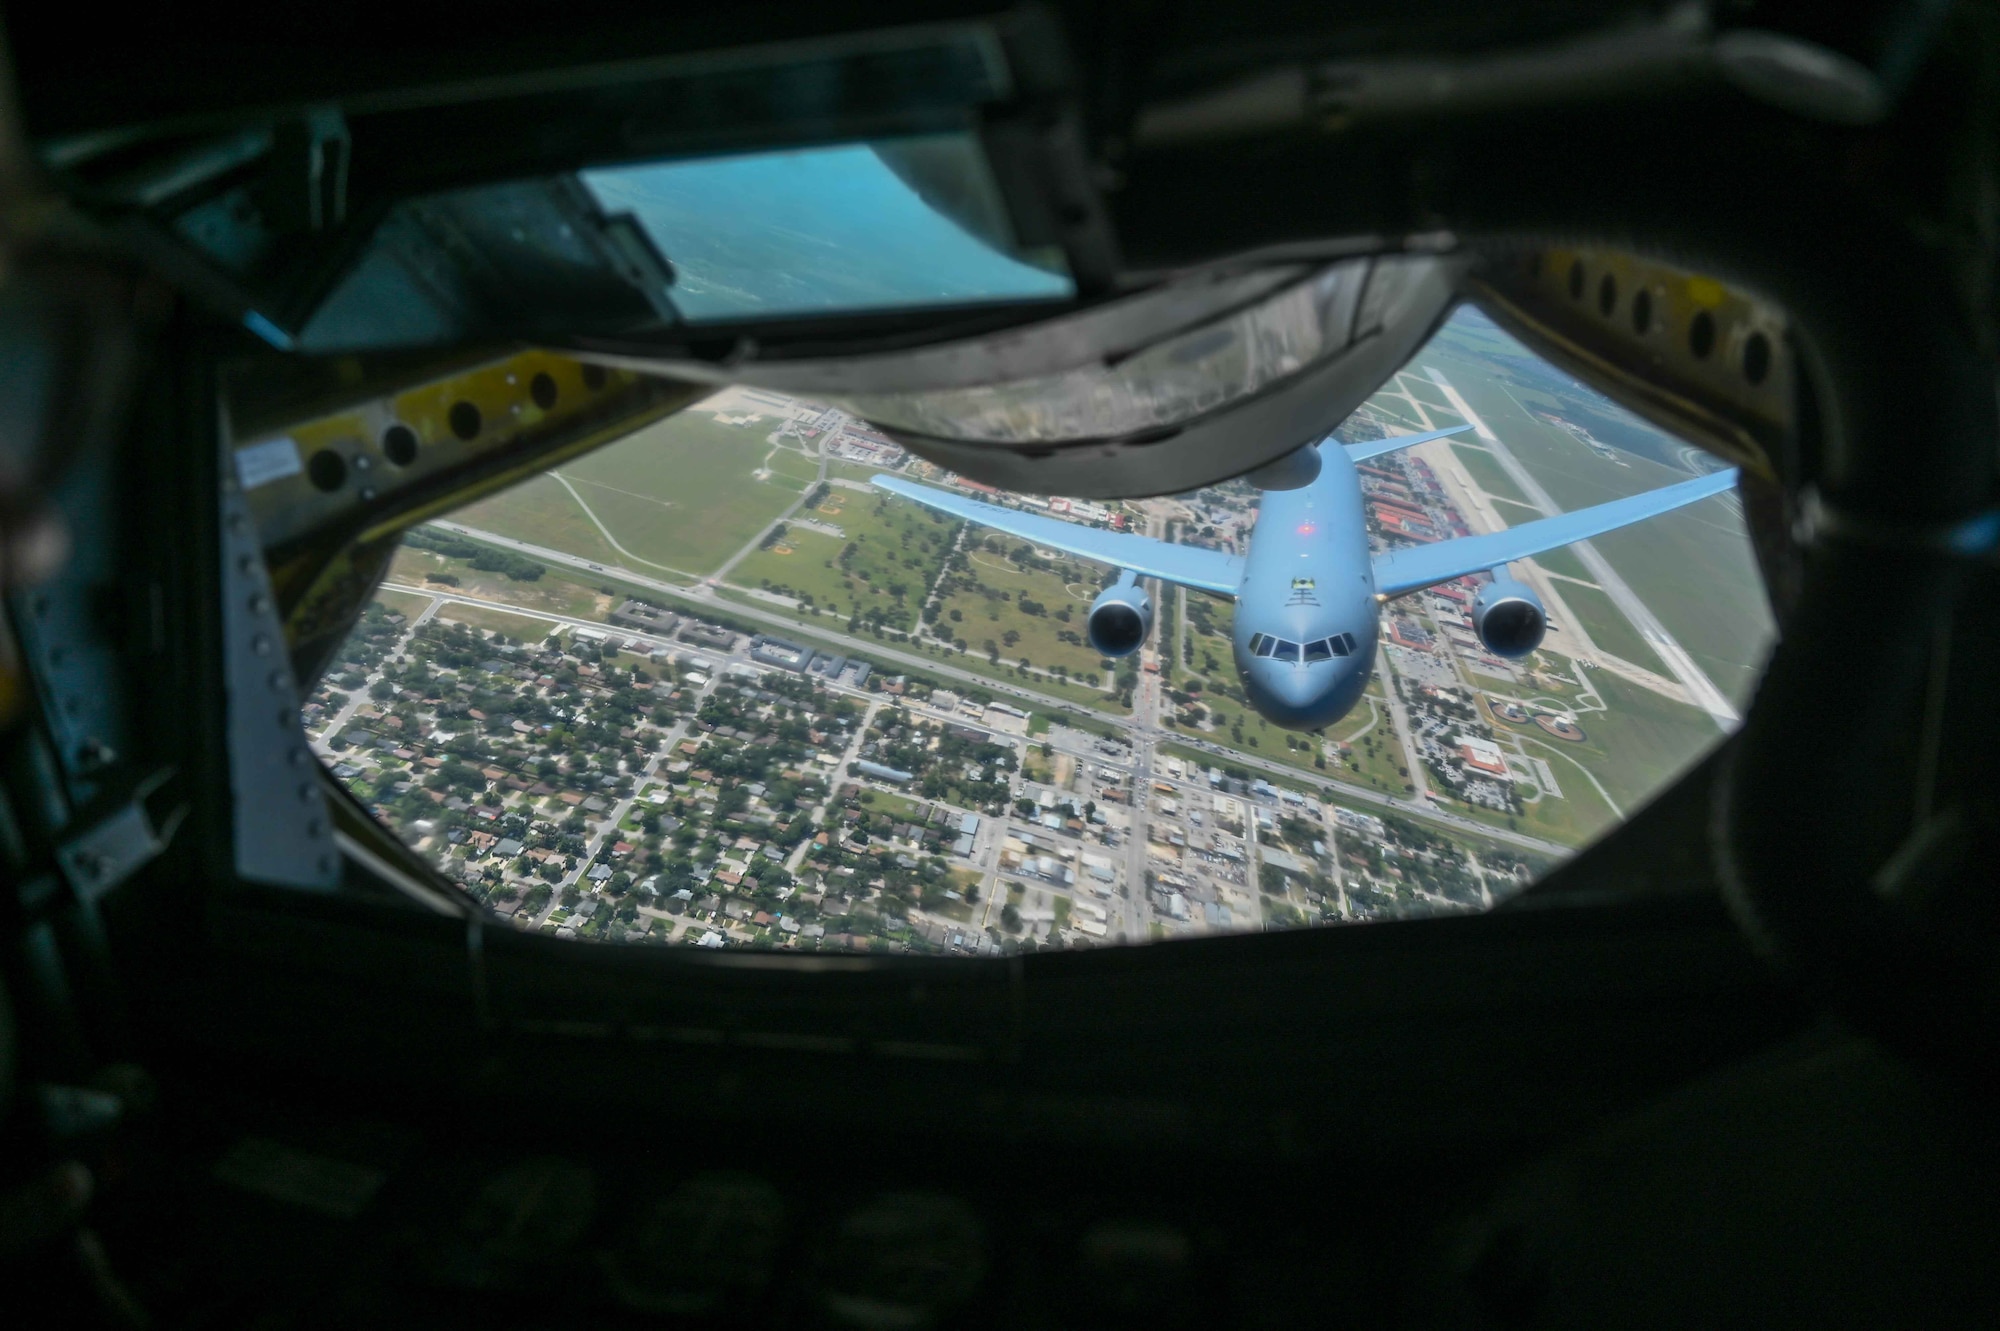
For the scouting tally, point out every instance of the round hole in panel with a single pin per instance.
(1756, 358)
(1701, 334)
(327, 470)
(465, 420)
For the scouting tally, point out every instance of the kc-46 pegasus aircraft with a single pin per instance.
(1308, 593)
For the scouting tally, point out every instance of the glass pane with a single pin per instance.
(849, 228)
(1319, 650)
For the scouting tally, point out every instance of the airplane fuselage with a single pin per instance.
(1306, 614)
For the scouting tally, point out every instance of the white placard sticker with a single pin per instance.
(272, 460)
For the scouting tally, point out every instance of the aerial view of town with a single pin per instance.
(707, 686)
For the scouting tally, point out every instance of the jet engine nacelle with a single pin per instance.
(1120, 619)
(1509, 618)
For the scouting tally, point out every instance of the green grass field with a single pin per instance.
(402, 603)
(1487, 473)
(521, 628)
(679, 495)
(851, 471)
(1377, 765)
(1101, 700)
(900, 807)
(1608, 627)
(1647, 739)
(1426, 392)
(1514, 514)
(554, 590)
(897, 551)
(1376, 753)
(990, 610)
(541, 511)
(790, 462)
(1563, 560)
(1368, 716)
(971, 662)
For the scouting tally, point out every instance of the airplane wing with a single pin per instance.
(1188, 565)
(1375, 448)
(1400, 571)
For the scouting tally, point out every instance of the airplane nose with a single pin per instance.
(1304, 698)
(1294, 687)
(1288, 688)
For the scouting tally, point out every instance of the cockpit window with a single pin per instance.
(708, 686)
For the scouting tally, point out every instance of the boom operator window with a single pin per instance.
(882, 729)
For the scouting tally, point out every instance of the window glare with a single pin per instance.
(823, 229)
